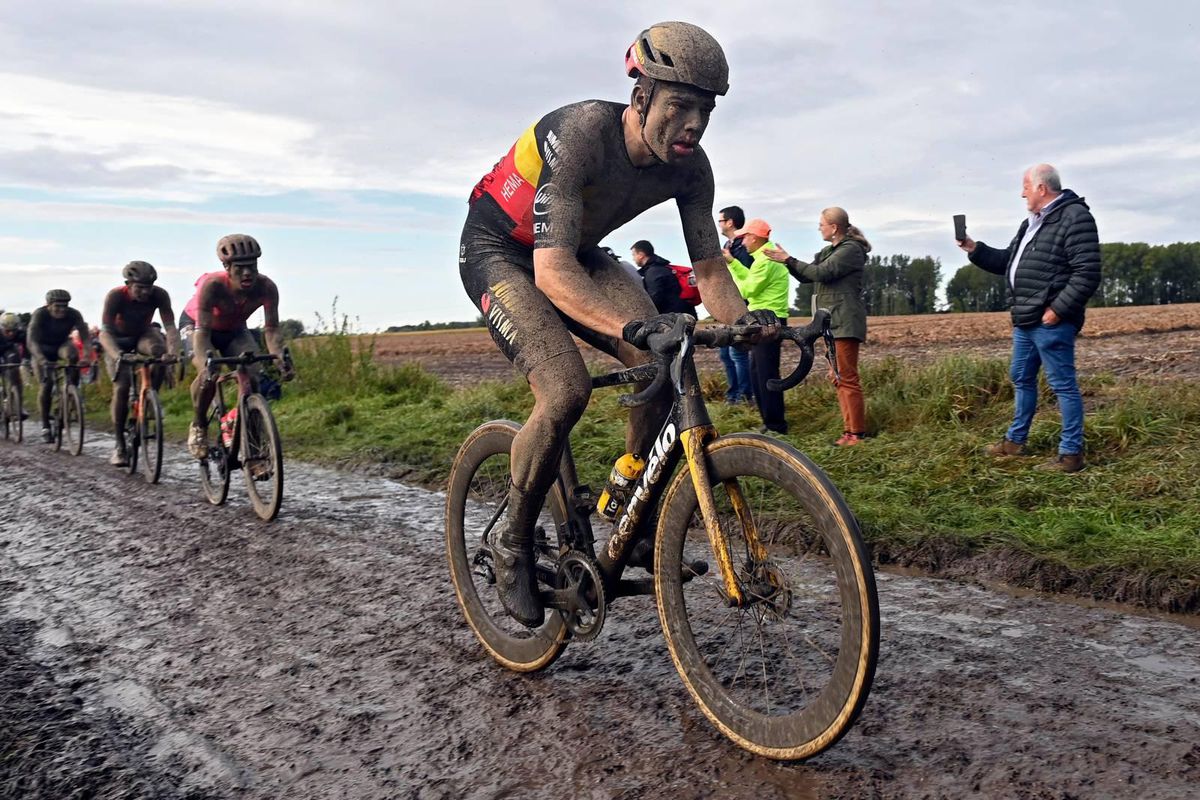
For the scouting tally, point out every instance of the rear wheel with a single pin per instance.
(150, 435)
(476, 506)
(786, 674)
(132, 442)
(263, 462)
(74, 420)
(13, 425)
(214, 468)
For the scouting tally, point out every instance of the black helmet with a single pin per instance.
(58, 296)
(139, 272)
(681, 53)
(238, 247)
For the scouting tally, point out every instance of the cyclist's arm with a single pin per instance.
(202, 335)
(167, 315)
(271, 317)
(721, 295)
(108, 317)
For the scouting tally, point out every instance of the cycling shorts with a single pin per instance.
(152, 342)
(497, 273)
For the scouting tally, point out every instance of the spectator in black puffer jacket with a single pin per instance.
(659, 280)
(1052, 267)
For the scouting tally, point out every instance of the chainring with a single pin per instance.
(579, 578)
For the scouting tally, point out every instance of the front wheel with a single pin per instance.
(14, 425)
(262, 464)
(214, 468)
(73, 416)
(786, 674)
(150, 434)
(476, 506)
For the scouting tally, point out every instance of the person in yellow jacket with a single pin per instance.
(764, 284)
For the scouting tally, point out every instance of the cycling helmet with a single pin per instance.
(680, 53)
(139, 272)
(8, 321)
(238, 247)
(58, 296)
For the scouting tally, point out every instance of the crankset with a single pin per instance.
(579, 595)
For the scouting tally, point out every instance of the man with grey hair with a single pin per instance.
(1052, 268)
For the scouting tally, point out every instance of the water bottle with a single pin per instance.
(620, 483)
(228, 423)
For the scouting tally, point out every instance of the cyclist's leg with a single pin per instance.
(122, 379)
(69, 353)
(244, 342)
(498, 277)
(154, 343)
(43, 359)
(202, 395)
(627, 294)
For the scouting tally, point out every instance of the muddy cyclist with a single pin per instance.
(125, 327)
(530, 257)
(49, 340)
(222, 305)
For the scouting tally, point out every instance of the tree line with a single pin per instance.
(896, 284)
(1136, 274)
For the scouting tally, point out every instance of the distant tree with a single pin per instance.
(291, 328)
(973, 289)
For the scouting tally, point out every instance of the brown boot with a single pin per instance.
(1006, 448)
(1070, 462)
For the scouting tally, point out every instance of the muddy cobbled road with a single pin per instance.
(154, 646)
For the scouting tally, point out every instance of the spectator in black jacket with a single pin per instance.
(1052, 267)
(659, 280)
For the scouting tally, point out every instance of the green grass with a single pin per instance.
(922, 489)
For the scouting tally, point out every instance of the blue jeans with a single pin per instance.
(737, 373)
(1052, 346)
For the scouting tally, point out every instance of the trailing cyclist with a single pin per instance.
(12, 344)
(223, 303)
(125, 327)
(49, 340)
(530, 258)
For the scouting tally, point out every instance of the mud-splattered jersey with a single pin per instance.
(125, 317)
(568, 182)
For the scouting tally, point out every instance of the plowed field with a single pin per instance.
(1146, 342)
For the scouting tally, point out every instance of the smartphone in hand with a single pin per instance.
(960, 227)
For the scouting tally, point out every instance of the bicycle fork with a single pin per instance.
(694, 441)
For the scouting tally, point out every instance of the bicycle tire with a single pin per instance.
(261, 444)
(150, 437)
(74, 420)
(214, 469)
(477, 486)
(14, 426)
(133, 442)
(793, 589)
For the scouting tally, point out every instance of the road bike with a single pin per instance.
(144, 426)
(66, 406)
(245, 436)
(12, 407)
(777, 645)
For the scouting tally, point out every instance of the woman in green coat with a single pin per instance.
(837, 272)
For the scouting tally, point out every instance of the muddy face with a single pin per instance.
(140, 292)
(57, 310)
(243, 275)
(677, 118)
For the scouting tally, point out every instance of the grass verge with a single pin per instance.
(1126, 529)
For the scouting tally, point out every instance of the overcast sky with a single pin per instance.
(346, 136)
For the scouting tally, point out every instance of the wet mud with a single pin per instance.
(154, 646)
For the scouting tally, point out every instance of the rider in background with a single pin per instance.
(12, 345)
(530, 258)
(125, 328)
(223, 304)
(48, 340)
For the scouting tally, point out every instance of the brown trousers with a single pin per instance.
(849, 388)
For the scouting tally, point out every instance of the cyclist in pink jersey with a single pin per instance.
(223, 304)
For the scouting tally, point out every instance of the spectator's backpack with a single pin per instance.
(688, 291)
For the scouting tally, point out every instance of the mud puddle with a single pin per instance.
(156, 646)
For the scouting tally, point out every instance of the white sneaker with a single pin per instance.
(197, 441)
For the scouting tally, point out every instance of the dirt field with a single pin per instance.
(1148, 342)
(153, 646)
